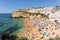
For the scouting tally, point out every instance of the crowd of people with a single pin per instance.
(42, 28)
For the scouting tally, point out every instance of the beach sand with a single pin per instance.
(37, 28)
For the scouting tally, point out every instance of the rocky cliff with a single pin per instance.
(19, 14)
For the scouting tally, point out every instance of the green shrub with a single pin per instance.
(57, 38)
(51, 39)
(23, 38)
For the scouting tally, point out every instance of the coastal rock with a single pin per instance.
(26, 14)
(17, 14)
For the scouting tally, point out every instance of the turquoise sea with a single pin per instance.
(9, 24)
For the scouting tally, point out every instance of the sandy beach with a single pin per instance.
(38, 28)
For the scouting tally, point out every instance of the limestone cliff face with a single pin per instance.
(24, 14)
(19, 14)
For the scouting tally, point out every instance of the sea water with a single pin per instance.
(9, 24)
